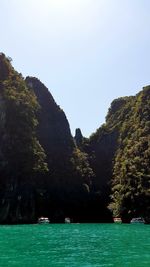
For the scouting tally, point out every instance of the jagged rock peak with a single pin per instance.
(39, 88)
(78, 136)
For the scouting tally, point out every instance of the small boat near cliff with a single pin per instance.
(43, 220)
(67, 220)
(137, 220)
(117, 220)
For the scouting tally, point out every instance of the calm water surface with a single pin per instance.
(75, 245)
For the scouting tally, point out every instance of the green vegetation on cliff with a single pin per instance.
(131, 171)
(44, 171)
(34, 130)
(122, 156)
(69, 173)
(21, 151)
(22, 157)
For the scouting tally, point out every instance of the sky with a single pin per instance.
(87, 52)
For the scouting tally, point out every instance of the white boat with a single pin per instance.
(43, 220)
(117, 220)
(137, 220)
(67, 220)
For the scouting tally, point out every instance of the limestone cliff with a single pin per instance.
(22, 158)
(45, 172)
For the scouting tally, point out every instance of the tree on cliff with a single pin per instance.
(22, 157)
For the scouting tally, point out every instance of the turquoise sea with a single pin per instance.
(75, 245)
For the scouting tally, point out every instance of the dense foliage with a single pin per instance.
(21, 150)
(122, 156)
(131, 174)
(22, 157)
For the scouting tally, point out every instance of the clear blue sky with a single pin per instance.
(87, 52)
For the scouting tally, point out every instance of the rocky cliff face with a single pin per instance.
(103, 145)
(101, 148)
(21, 156)
(54, 135)
(119, 155)
(42, 173)
(68, 182)
(53, 128)
(131, 173)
